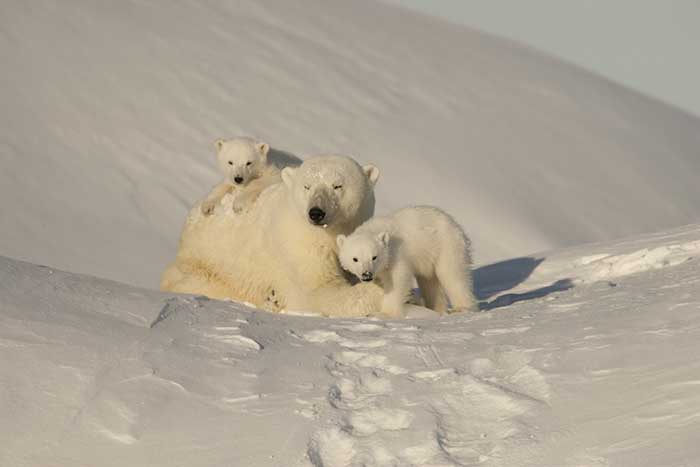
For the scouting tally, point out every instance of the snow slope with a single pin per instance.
(587, 357)
(109, 111)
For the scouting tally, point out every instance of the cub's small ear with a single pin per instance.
(288, 176)
(219, 143)
(372, 173)
(264, 148)
(384, 238)
(340, 240)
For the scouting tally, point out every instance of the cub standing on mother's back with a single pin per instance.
(422, 242)
(243, 162)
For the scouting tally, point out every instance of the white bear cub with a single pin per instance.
(422, 242)
(244, 164)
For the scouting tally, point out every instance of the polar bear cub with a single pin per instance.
(419, 242)
(245, 167)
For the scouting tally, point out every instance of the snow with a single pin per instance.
(583, 355)
(602, 372)
(110, 112)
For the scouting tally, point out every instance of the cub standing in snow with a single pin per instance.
(422, 242)
(243, 161)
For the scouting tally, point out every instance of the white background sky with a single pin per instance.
(652, 46)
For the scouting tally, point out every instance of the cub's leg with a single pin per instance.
(397, 288)
(214, 197)
(454, 275)
(432, 293)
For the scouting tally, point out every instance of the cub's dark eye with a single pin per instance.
(374, 258)
(230, 163)
(248, 163)
(307, 187)
(337, 187)
(355, 260)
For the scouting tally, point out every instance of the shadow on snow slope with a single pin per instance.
(492, 279)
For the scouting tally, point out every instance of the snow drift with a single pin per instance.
(110, 111)
(605, 373)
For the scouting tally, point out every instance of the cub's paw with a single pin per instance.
(463, 309)
(238, 207)
(240, 204)
(208, 208)
(393, 312)
(391, 315)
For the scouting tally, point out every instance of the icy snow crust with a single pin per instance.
(599, 374)
(110, 111)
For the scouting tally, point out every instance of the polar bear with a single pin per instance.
(246, 169)
(282, 253)
(419, 242)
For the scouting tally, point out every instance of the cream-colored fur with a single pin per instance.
(246, 170)
(420, 242)
(273, 255)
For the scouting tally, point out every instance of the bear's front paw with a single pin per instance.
(208, 208)
(392, 312)
(391, 315)
(464, 309)
(272, 302)
(239, 205)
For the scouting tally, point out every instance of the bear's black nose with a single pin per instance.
(316, 215)
(238, 180)
(367, 276)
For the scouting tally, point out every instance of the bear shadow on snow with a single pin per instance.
(492, 279)
(495, 278)
(510, 298)
(282, 159)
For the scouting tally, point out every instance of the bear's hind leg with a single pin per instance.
(432, 293)
(455, 277)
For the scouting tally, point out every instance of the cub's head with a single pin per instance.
(241, 159)
(364, 254)
(332, 190)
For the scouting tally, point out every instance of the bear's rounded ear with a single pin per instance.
(383, 238)
(372, 173)
(263, 148)
(288, 175)
(340, 240)
(219, 143)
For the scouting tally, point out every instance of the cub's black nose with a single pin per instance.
(367, 276)
(316, 215)
(238, 180)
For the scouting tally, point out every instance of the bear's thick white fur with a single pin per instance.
(420, 242)
(273, 255)
(246, 171)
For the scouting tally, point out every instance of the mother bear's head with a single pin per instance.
(332, 191)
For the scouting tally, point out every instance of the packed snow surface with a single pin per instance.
(585, 356)
(582, 357)
(110, 111)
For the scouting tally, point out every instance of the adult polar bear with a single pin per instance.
(281, 254)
